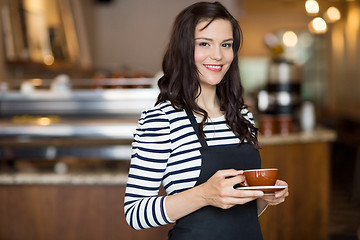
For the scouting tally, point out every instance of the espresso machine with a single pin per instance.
(279, 101)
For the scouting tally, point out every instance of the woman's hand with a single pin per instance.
(219, 190)
(279, 196)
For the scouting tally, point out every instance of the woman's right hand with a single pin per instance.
(219, 191)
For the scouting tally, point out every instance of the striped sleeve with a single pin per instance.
(248, 115)
(150, 152)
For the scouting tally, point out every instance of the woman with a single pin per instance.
(198, 138)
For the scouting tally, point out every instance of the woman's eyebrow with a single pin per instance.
(228, 40)
(204, 38)
(210, 39)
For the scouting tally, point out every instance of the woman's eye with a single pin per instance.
(203, 44)
(227, 45)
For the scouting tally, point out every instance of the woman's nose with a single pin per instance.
(216, 53)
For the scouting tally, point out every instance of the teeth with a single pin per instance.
(212, 66)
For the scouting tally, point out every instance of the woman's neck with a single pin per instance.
(209, 102)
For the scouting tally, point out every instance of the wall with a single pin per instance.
(344, 75)
(133, 35)
(262, 17)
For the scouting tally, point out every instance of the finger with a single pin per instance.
(276, 201)
(283, 193)
(236, 180)
(269, 196)
(278, 194)
(248, 194)
(232, 201)
(280, 183)
(226, 173)
(272, 200)
(243, 200)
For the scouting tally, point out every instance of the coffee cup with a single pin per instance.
(260, 177)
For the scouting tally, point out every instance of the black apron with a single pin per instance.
(238, 222)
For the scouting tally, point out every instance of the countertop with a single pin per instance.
(320, 134)
(66, 179)
(105, 178)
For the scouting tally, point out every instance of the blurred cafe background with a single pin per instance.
(75, 76)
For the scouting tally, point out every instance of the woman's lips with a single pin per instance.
(214, 68)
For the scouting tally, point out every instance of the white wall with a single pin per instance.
(134, 33)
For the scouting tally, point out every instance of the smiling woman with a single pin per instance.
(199, 138)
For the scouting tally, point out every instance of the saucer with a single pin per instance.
(265, 189)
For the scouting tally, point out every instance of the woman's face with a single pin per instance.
(213, 50)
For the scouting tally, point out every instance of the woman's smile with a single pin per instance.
(213, 67)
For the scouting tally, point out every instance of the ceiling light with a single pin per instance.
(318, 26)
(332, 14)
(290, 39)
(312, 7)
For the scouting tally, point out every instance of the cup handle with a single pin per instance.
(243, 184)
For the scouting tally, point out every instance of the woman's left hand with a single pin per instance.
(279, 196)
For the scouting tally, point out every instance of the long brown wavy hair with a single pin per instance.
(180, 83)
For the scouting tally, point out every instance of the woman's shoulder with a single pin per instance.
(162, 110)
(247, 114)
(245, 110)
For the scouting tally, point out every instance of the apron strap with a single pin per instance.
(195, 125)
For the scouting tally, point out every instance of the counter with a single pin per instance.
(90, 205)
(304, 163)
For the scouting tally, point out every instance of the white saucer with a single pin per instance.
(265, 189)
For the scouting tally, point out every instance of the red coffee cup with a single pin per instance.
(260, 177)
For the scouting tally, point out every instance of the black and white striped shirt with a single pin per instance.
(165, 151)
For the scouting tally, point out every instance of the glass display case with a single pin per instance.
(57, 123)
